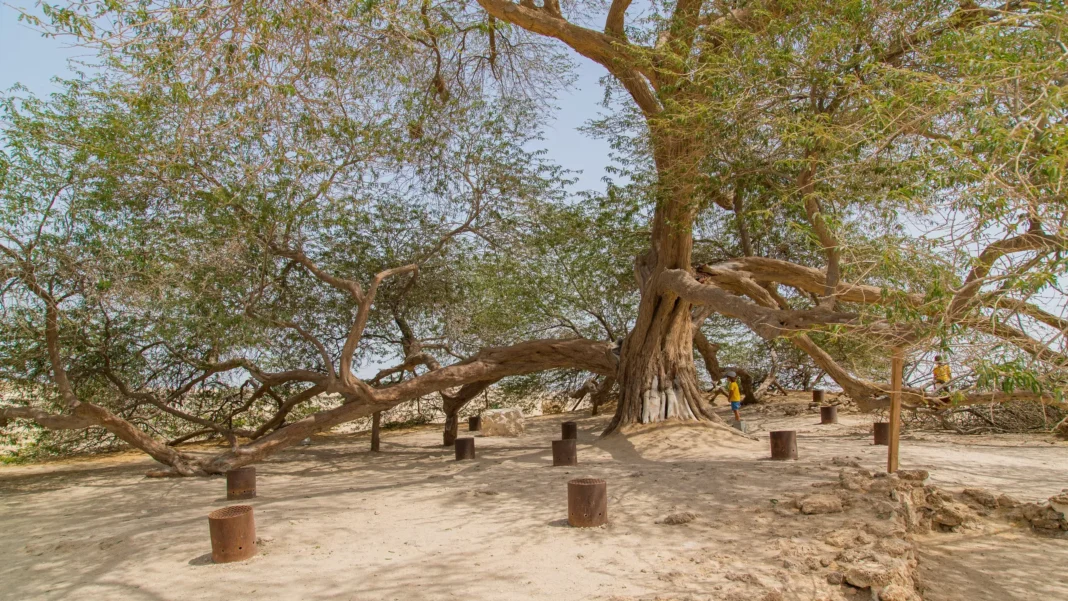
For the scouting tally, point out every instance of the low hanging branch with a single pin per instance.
(751, 277)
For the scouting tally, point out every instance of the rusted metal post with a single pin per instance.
(587, 502)
(784, 444)
(465, 448)
(818, 395)
(882, 433)
(233, 533)
(829, 414)
(376, 431)
(474, 423)
(569, 431)
(896, 377)
(241, 483)
(565, 452)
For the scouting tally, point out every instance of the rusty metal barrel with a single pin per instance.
(587, 502)
(829, 414)
(241, 483)
(569, 431)
(784, 444)
(882, 433)
(233, 533)
(818, 395)
(474, 423)
(465, 448)
(565, 452)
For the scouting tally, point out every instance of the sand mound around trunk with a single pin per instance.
(677, 440)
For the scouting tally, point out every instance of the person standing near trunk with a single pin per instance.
(734, 395)
(942, 376)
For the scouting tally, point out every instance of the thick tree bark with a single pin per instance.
(452, 427)
(452, 404)
(602, 394)
(657, 377)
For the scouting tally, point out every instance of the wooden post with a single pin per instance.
(465, 448)
(896, 376)
(376, 427)
(565, 452)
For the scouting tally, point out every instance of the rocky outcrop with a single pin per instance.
(502, 422)
(816, 504)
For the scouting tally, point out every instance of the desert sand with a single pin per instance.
(410, 523)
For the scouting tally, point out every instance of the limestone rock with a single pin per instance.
(914, 475)
(982, 497)
(1007, 502)
(1034, 511)
(835, 578)
(896, 592)
(1059, 503)
(502, 422)
(884, 529)
(815, 504)
(895, 547)
(848, 538)
(678, 518)
(858, 481)
(1044, 524)
(878, 571)
(950, 515)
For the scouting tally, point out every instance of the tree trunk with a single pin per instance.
(376, 431)
(657, 376)
(451, 404)
(451, 426)
(602, 394)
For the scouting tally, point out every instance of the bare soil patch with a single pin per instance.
(695, 513)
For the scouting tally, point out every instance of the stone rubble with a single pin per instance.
(879, 555)
(503, 422)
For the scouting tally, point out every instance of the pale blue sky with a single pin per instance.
(32, 60)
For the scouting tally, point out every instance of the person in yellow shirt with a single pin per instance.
(734, 394)
(942, 376)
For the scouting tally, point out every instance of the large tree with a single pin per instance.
(295, 186)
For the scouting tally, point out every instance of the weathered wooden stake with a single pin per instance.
(376, 431)
(896, 377)
(465, 448)
(233, 533)
(784, 444)
(569, 431)
(829, 414)
(587, 502)
(241, 483)
(565, 452)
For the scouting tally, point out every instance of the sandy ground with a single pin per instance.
(410, 523)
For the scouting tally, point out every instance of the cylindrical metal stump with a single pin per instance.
(465, 448)
(241, 483)
(569, 431)
(817, 396)
(565, 452)
(882, 433)
(474, 423)
(587, 502)
(233, 533)
(829, 415)
(784, 444)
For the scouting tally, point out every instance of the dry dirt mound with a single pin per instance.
(678, 441)
(879, 553)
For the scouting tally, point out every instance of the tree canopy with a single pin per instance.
(247, 202)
